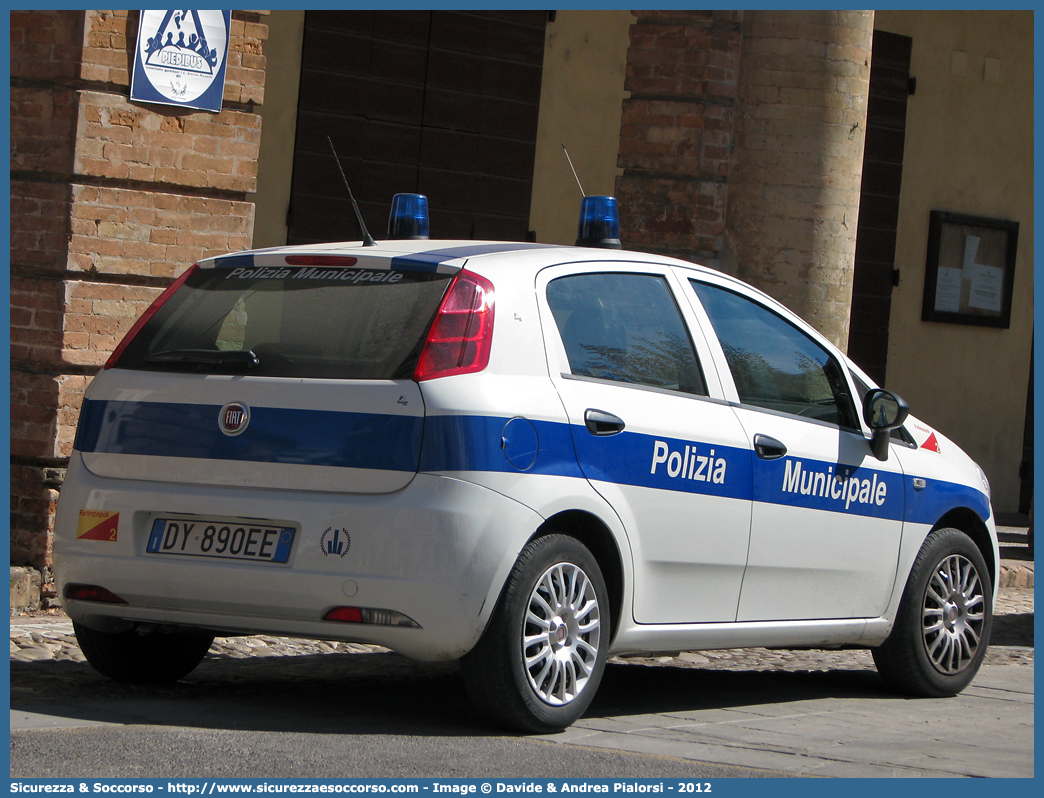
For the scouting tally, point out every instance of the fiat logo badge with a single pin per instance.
(233, 418)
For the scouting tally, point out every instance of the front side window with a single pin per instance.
(625, 328)
(774, 364)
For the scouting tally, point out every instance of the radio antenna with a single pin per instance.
(582, 192)
(367, 238)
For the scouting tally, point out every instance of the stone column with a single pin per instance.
(796, 167)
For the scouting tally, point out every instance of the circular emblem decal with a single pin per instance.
(233, 418)
(335, 542)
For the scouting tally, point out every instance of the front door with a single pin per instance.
(827, 515)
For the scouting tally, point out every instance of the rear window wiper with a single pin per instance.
(211, 357)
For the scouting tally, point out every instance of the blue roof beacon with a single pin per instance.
(408, 218)
(599, 223)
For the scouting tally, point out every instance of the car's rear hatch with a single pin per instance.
(272, 370)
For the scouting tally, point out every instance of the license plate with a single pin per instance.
(239, 540)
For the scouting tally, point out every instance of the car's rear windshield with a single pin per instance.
(292, 322)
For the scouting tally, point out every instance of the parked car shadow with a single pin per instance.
(383, 693)
(1012, 630)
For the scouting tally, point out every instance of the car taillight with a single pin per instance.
(92, 593)
(460, 338)
(174, 286)
(370, 616)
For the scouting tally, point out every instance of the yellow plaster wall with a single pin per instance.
(969, 149)
(585, 57)
(275, 163)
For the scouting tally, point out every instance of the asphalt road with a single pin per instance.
(334, 715)
(267, 707)
(378, 715)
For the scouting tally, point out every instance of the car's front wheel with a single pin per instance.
(538, 665)
(944, 619)
(151, 658)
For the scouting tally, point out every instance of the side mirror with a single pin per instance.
(883, 411)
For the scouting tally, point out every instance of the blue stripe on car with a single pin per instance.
(431, 260)
(235, 262)
(475, 443)
(931, 503)
(815, 485)
(274, 435)
(650, 461)
(457, 443)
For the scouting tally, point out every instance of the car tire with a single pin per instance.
(539, 662)
(153, 658)
(943, 625)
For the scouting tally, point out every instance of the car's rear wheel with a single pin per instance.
(943, 626)
(538, 665)
(152, 658)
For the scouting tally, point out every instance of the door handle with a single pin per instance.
(768, 448)
(601, 423)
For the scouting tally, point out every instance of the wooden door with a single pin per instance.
(879, 202)
(440, 103)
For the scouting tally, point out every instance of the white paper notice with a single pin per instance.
(986, 287)
(948, 290)
(971, 249)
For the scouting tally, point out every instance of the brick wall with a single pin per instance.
(676, 130)
(110, 200)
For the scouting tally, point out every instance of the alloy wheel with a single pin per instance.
(561, 633)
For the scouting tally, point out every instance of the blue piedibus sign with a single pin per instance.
(180, 58)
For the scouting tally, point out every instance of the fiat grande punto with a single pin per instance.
(522, 456)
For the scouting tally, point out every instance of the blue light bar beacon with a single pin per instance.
(599, 223)
(408, 218)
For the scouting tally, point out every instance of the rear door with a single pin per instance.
(653, 433)
(274, 371)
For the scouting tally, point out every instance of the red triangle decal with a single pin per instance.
(931, 443)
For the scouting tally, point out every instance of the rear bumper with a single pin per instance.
(437, 551)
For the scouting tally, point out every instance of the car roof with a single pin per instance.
(450, 255)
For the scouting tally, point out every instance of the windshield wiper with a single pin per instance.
(210, 357)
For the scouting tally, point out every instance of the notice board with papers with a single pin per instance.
(970, 271)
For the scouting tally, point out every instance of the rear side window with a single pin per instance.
(296, 322)
(627, 328)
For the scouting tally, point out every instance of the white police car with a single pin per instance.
(528, 457)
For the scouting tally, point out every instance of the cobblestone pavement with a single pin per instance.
(49, 636)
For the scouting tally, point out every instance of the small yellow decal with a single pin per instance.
(97, 525)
